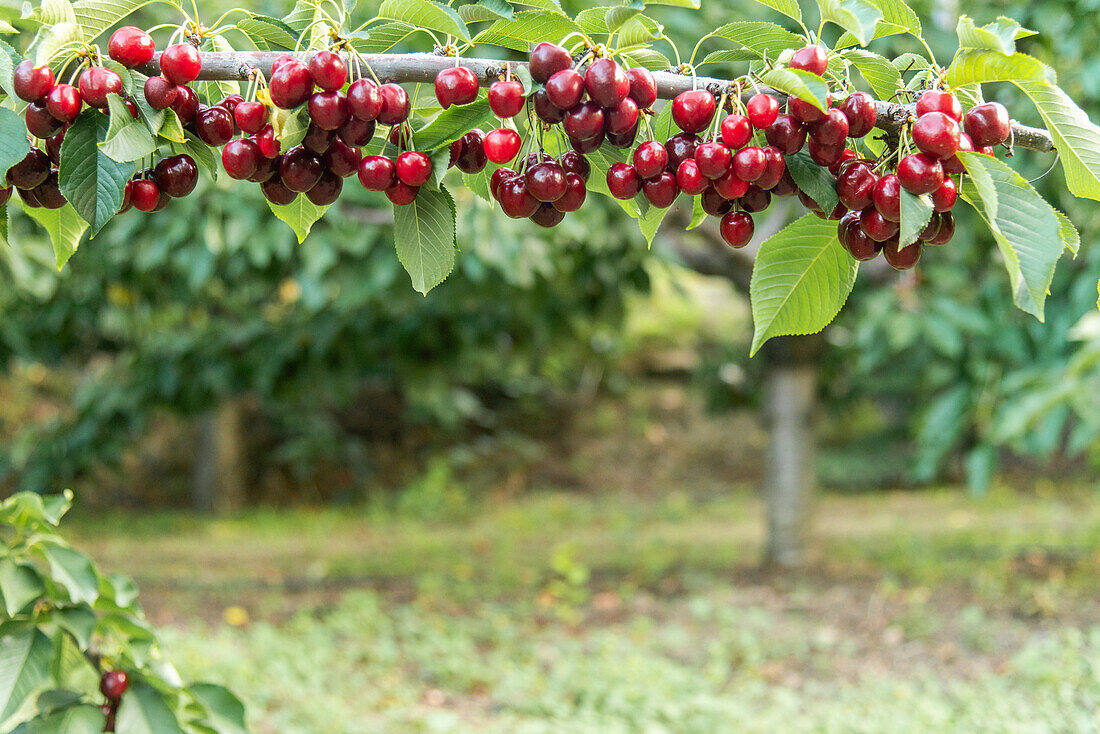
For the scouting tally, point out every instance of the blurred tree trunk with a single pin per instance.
(219, 476)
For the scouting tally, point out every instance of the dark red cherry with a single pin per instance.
(876, 226)
(328, 110)
(584, 122)
(755, 199)
(265, 168)
(501, 145)
(650, 158)
(690, 179)
(506, 98)
(943, 198)
(623, 181)
(714, 203)
(887, 197)
(328, 70)
(736, 131)
(547, 216)
(730, 186)
(342, 159)
(499, 176)
(176, 175)
(953, 166)
(326, 190)
(661, 190)
(28, 198)
(573, 162)
(250, 116)
(395, 104)
(516, 201)
(565, 89)
(276, 192)
(181, 63)
(847, 155)
(813, 59)
(214, 126)
(49, 193)
(455, 85)
(64, 102)
(623, 140)
(546, 110)
(862, 114)
(186, 104)
(855, 186)
(681, 147)
(364, 100)
(240, 158)
(299, 169)
(946, 229)
(546, 181)
(546, 59)
(988, 124)
(31, 82)
(901, 258)
(692, 111)
(937, 135)
(920, 173)
(317, 139)
(606, 82)
(749, 163)
(356, 133)
(414, 168)
(643, 87)
(290, 86)
(160, 93)
(737, 228)
(96, 83)
(472, 158)
(53, 147)
(775, 168)
(376, 172)
(40, 123)
(805, 112)
(832, 130)
(31, 171)
(762, 110)
(787, 134)
(786, 186)
(935, 100)
(145, 195)
(113, 683)
(713, 159)
(575, 194)
(131, 47)
(825, 155)
(855, 240)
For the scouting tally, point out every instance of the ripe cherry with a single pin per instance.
(546, 110)
(876, 226)
(31, 171)
(920, 173)
(855, 186)
(887, 197)
(714, 203)
(269, 146)
(53, 147)
(650, 158)
(546, 59)
(681, 147)
(395, 104)
(186, 104)
(376, 172)
(565, 89)
(230, 102)
(546, 181)
(713, 159)
(573, 162)
(282, 60)
(96, 83)
(214, 125)
(113, 683)
(49, 193)
(547, 216)
(356, 133)
(516, 201)
(624, 140)
(621, 119)
(364, 100)
(160, 93)
(786, 185)
(937, 135)
(846, 156)
(131, 47)
(299, 169)
(692, 111)
(855, 240)
(736, 131)
(946, 229)
(954, 166)
(328, 110)
(737, 229)
(326, 190)
(317, 139)
(643, 87)
(575, 194)
(176, 175)
(832, 130)
(988, 124)
(265, 169)
(690, 179)
(31, 82)
(276, 192)
(730, 186)
(901, 258)
(40, 123)
(250, 116)
(455, 85)
(290, 85)
(943, 198)
(661, 190)
(606, 83)
(813, 59)
(806, 112)
(499, 176)
(749, 163)
(623, 181)
(240, 158)
(935, 100)
(755, 199)
(584, 122)
(414, 168)
(825, 155)
(328, 70)
(762, 109)
(341, 158)
(774, 170)
(145, 195)
(501, 145)
(506, 98)
(787, 134)
(180, 63)
(861, 113)
(471, 157)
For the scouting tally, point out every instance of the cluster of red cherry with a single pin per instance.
(112, 684)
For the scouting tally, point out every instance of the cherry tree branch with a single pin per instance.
(423, 68)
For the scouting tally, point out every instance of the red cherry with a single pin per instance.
(401, 194)
(176, 175)
(214, 125)
(623, 140)
(376, 172)
(499, 176)
(730, 186)
(901, 258)
(714, 203)
(299, 169)
(31, 171)
(364, 100)
(49, 193)
(414, 168)
(40, 123)
(230, 102)
(749, 164)
(988, 124)
(692, 111)
(661, 190)
(455, 85)
(643, 87)
(813, 59)
(876, 226)
(681, 147)
(736, 131)
(546, 110)
(547, 216)
(832, 130)
(160, 93)
(937, 135)
(186, 104)
(606, 83)
(575, 194)
(887, 197)
(713, 159)
(131, 47)
(240, 158)
(471, 157)
(755, 199)
(855, 186)
(650, 158)
(53, 147)
(809, 202)
(501, 145)
(180, 63)
(737, 229)
(946, 229)
(762, 109)
(584, 122)
(546, 59)
(623, 181)
(356, 133)
(846, 156)
(953, 166)
(266, 168)
(805, 112)
(341, 158)
(96, 83)
(786, 186)
(546, 181)
(250, 116)
(515, 199)
(282, 60)
(825, 155)
(860, 110)
(943, 198)
(920, 173)
(787, 134)
(565, 89)
(622, 119)
(276, 192)
(855, 240)
(269, 146)
(290, 86)
(775, 169)
(328, 70)
(326, 190)
(31, 82)
(395, 104)
(690, 179)
(317, 139)
(935, 100)
(145, 195)
(506, 98)
(573, 162)
(328, 110)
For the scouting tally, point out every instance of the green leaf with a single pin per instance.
(9, 57)
(759, 37)
(126, 139)
(14, 145)
(202, 153)
(638, 31)
(425, 14)
(73, 570)
(789, 8)
(272, 32)
(440, 158)
(223, 710)
(1076, 137)
(96, 16)
(24, 665)
(650, 222)
(383, 37)
(897, 17)
(1000, 35)
(916, 212)
(881, 75)
(1070, 236)
(83, 719)
(91, 181)
(693, 4)
(424, 234)
(171, 128)
(730, 56)
(64, 226)
(79, 621)
(978, 67)
(52, 12)
(646, 58)
(698, 214)
(143, 711)
(815, 180)
(527, 29)
(619, 14)
(858, 17)
(20, 584)
(59, 36)
(486, 10)
(451, 124)
(301, 214)
(797, 83)
(1026, 228)
(800, 281)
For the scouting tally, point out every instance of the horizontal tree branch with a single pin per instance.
(423, 67)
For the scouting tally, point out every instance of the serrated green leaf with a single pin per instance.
(425, 14)
(540, 4)
(144, 711)
(881, 75)
(1070, 236)
(730, 56)
(9, 58)
(301, 214)
(223, 710)
(693, 4)
(619, 14)
(383, 37)
(858, 17)
(897, 17)
(638, 31)
(72, 569)
(916, 212)
(979, 67)
(91, 181)
(529, 27)
(64, 226)
(82, 719)
(79, 621)
(171, 128)
(486, 10)
(20, 584)
(698, 214)
(96, 16)
(1000, 35)
(1026, 228)
(440, 158)
(59, 36)
(815, 180)
(126, 139)
(24, 665)
(650, 221)
(760, 37)
(424, 235)
(802, 84)
(647, 58)
(202, 153)
(272, 32)
(52, 12)
(800, 281)
(789, 8)
(1076, 137)
(451, 124)
(14, 145)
